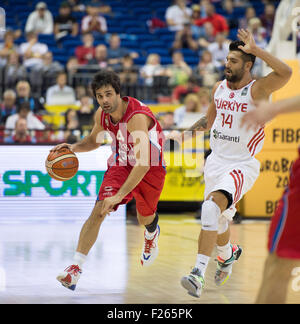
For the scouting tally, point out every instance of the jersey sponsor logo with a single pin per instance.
(219, 135)
(231, 95)
(231, 105)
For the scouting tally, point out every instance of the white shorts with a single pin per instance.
(234, 177)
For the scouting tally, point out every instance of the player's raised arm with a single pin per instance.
(275, 80)
(88, 143)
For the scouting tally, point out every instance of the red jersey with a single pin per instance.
(123, 143)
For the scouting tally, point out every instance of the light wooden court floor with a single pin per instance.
(32, 253)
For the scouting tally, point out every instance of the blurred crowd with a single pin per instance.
(33, 80)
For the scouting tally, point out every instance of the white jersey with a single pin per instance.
(227, 139)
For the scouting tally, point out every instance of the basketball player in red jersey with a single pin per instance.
(231, 169)
(284, 232)
(135, 168)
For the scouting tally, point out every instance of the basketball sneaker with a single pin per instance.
(150, 250)
(224, 267)
(193, 283)
(70, 276)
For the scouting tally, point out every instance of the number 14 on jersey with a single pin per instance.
(227, 120)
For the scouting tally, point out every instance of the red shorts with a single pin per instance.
(284, 233)
(146, 193)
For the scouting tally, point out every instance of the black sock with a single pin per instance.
(152, 227)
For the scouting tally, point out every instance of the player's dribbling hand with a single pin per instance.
(60, 146)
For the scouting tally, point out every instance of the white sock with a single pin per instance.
(225, 251)
(202, 263)
(79, 259)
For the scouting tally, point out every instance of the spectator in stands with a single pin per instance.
(93, 22)
(85, 52)
(219, 50)
(206, 72)
(23, 111)
(259, 33)
(14, 71)
(184, 39)
(218, 21)
(40, 21)
(85, 114)
(197, 31)
(24, 95)
(20, 134)
(191, 105)
(128, 71)
(65, 24)
(32, 51)
(267, 18)
(115, 52)
(177, 15)
(71, 120)
(166, 120)
(72, 65)
(208, 36)
(80, 91)
(60, 93)
(7, 47)
(204, 98)
(178, 72)
(79, 6)
(230, 15)
(8, 105)
(44, 76)
(152, 69)
(181, 91)
(100, 60)
(250, 13)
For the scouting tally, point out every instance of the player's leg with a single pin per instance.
(212, 208)
(112, 181)
(90, 230)
(275, 281)
(147, 196)
(88, 236)
(151, 235)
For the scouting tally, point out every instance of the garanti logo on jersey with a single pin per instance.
(219, 135)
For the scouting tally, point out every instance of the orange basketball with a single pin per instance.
(62, 165)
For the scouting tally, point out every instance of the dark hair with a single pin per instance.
(23, 106)
(234, 46)
(105, 78)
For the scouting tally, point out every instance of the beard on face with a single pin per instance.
(234, 76)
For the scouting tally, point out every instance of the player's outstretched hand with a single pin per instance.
(174, 135)
(263, 113)
(60, 146)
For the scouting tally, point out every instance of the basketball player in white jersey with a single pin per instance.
(231, 169)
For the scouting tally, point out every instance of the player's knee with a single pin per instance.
(222, 225)
(96, 216)
(210, 214)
